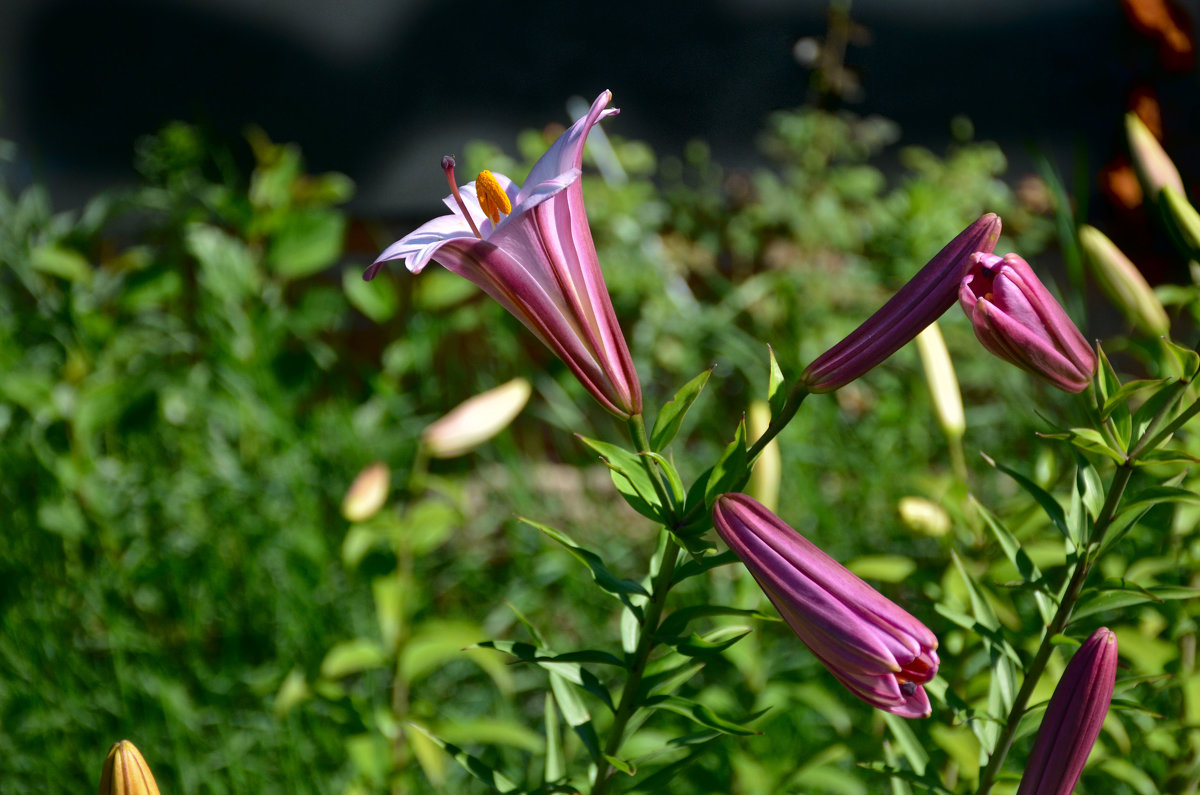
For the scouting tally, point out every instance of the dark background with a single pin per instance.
(381, 90)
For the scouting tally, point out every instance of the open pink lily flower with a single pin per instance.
(1016, 318)
(870, 644)
(531, 249)
(1073, 719)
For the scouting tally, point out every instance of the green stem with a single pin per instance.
(647, 641)
(1083, 567)
(1148, 442)
(779, 421)
(641, 440)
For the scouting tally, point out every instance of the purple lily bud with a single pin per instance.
(870, 644)
(1072, 721)
(538, 261)
(1017, 319)
(918, 303)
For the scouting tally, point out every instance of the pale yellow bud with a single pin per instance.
(1182, 220)
(924, 516)
(367, 493)
(943, 383)
(1154, 167)
(768, 469)
(126, 772)
(476, 420)
(1123, 282)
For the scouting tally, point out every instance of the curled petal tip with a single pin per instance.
(1017, 319)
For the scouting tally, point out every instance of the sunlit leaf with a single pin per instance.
(670, 418)
(473, 765)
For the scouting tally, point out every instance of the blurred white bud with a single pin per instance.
(1154, 167)
(924, 516)
(476, 420)
(768, 469)
(367, 493)
(1123, 282)
(943, 383)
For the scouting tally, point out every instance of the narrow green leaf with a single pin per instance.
(565, 666)
(1107, 382)
(1102, 601)
(492, 731)
(619, 586)
(664, 677)
(1158, 495)
(568, 661)
(555, 766)
(635, 500)
(702, 715)
(675, 623)
(621, 764)
(913, 750)
(729, 473)
(670, 418)
(927, 782)
(1089, 440)
(1016, 555)
(1127, 391)
(576, 714)
(710, 643)
(353, 657)
(671, 475)
(473, 765)
(1186, 360)
(630, 477)
(1123, 769)
(1091, 490)
(776, 386)
(660, 780)
(1157, 457)
(706, 563)
(1040, 495)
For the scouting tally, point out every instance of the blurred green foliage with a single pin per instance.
(192, 372)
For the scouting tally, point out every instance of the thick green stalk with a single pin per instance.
(641, 441)
(1066, 606)
(630, 697)
(779, 421)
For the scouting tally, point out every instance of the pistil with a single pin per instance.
(448, 167)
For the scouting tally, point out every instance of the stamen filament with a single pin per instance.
(448, 167)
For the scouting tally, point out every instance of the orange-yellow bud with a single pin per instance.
(126, 772)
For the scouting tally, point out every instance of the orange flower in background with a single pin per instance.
(1169, 24)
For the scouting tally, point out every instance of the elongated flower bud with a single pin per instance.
(1123, 283)
(367, 493)
(476, 419)
(126, 772)
(870, 645)
(1182, 221)
(768, 469)
(1153, 165)
(1072, 721)
(1017, 319)
(917, 304)
(943, 383)
(924, 516)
